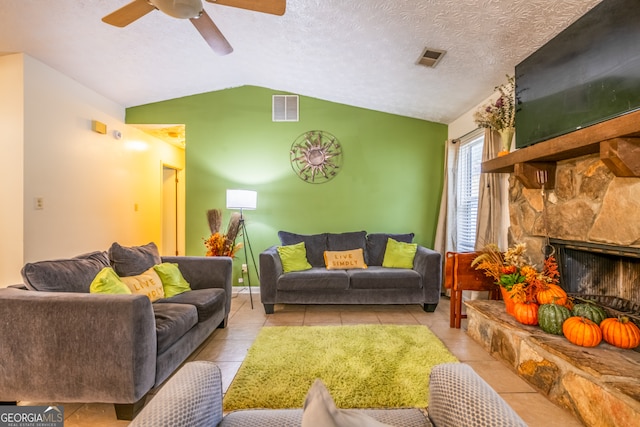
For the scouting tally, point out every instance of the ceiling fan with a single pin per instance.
(193, 10)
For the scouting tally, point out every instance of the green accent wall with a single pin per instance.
(391, 179)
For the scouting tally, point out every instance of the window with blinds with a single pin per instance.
(467, 188)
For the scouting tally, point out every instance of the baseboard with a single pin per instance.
(237, 290)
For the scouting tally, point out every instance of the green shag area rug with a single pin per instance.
(363, 366)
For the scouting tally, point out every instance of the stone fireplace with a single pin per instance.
(588, 204)
(589, 209)
(593, 221)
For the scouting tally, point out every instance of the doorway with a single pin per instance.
(170, 228)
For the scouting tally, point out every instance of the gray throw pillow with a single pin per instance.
(315, 245)
(347, 241)
(64, 275)
(377, 245)
(134, 260)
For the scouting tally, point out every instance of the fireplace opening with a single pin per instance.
(606, 274)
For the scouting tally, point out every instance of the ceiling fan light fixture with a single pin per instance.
(181, 9)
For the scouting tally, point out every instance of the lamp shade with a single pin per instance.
(242, 199)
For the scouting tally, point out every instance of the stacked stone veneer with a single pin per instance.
(589, 204)
(600, 386)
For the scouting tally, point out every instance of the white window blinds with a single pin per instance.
(467, 187)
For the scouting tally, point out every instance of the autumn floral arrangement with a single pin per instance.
(219, 243)
(513, 271)
(501, 113)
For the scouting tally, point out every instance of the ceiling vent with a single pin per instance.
(430, 57)
(285, 108)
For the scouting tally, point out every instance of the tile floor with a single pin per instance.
(227, 347)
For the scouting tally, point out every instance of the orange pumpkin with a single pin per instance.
(620, 332)
(551, 294)
(526, 313)
(582, 331)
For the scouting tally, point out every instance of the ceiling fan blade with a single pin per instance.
(274, 7)
(211, 34)
(128, 13)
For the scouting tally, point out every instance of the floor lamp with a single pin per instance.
(244, 199)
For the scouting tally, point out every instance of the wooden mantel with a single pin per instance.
(617, 140)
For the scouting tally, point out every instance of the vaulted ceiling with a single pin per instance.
(361, 53)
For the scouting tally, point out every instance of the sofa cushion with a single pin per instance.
(293, 257)
(172, 322)
(314, 279)
(385, 278)
(347, 241)
(460, 397)
(315, 244)
(134, 260)
(377, 244)
(207, 301)
(344, 260)
(64, 275)
(399, 254)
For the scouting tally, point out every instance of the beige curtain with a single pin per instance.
(493, 204)
(444, 240)
(445, 232)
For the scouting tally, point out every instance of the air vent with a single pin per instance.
(430, 57)
(285, 108)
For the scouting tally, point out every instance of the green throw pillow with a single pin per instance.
(108, 282)
(172, 281)
(399, 254)
(294, 257)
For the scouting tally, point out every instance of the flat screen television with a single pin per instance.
(587, 74)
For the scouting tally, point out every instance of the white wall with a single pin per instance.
(465, 123)
(96, 189)
(11, 172)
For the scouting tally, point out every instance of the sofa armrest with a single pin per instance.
(191, 398)
(206, 272)
(460, 397)
(76, 347)
(270, 270)
(429, 264)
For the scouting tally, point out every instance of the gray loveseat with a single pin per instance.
(373, 285)
(60, 343)
(457, 397)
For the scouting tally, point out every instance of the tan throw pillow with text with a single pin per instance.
(147, 283)
(344, 260)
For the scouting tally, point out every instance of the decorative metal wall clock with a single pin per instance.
(316, 156)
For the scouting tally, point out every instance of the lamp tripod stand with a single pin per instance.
(244, 199)
(246, 243)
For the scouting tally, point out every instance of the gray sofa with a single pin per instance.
(457, 397)
(373, 285)
(60, 343)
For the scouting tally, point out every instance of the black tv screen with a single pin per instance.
(587, 74)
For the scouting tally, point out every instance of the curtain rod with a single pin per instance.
(456, 140)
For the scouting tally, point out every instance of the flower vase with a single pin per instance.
(508, 302)
(506, 136)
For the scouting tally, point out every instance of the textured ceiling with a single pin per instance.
(360, 53)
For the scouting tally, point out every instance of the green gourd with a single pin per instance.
(591, 311)
(551, 317)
